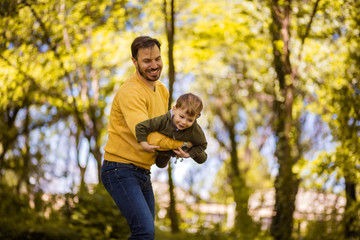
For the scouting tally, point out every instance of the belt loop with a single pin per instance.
(133, 166)
(137, 168)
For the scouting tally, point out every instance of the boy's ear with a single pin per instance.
(198, 115)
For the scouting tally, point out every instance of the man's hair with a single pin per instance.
(191, 102)
(143, 42)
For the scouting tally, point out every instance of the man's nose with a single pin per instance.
(153, 64)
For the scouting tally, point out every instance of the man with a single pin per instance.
(126, 169)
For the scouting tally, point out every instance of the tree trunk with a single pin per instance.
(172, 207)
(243, 221)
(170, 32)
(286, 183)
(243, 227)
(9, 136)
(26, 156)
(98, 157)
(350, 216)
(82, 187)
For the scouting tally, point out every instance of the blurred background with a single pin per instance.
(281, 91)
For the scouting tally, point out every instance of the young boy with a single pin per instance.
(179, 123)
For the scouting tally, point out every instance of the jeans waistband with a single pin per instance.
(129, 165)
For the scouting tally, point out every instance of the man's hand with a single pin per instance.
(181, 153)
(149, 148)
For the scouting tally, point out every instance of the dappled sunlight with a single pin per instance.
(280, 85)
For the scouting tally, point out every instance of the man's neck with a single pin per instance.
(150, 84)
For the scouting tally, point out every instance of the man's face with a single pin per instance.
(181, 119)
(149, 63)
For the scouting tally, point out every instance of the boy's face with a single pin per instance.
(181, 119)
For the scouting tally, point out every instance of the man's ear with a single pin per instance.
(134, 61)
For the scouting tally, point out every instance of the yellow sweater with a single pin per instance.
(133, 103)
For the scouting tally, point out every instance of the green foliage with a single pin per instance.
(20, 221)
(46, 231)
(324, 230)
(95, 216)
(14, 208)
(87, 216)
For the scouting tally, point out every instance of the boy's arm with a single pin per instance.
(197, 152)
(144, 128)
(146, 131)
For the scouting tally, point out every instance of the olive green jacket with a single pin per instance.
(163, 124)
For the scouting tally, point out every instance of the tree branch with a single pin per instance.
(309, 25)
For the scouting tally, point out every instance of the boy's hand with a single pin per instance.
(149, 148)
(181, 153)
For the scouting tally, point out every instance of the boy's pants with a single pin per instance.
(163, 158)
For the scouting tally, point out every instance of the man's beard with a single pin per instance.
(143, 74)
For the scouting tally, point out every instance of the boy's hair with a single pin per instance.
(143, 42)
(191, 102)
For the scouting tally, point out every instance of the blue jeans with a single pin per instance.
(130, 187)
